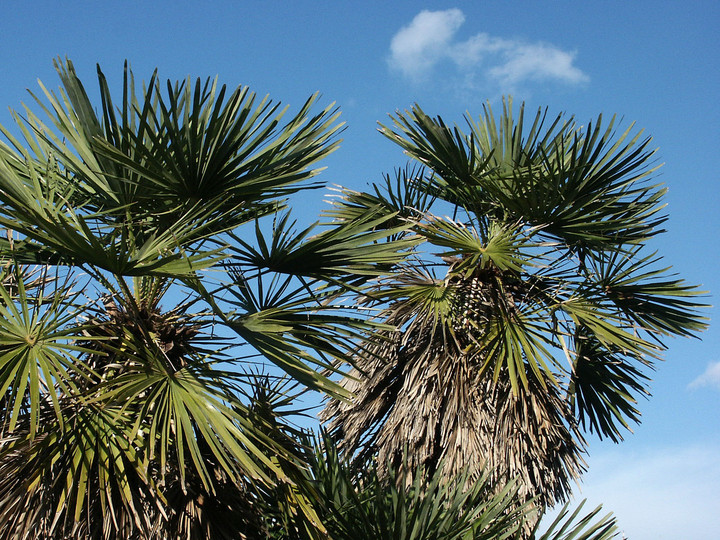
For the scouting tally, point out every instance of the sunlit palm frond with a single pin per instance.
(130, 191)
(440, 148)
(400, 195)
(49, 225)
(581, 186)
(335, 251)
(39, 329)
(494, 245)
(570, 524)
(196, 142)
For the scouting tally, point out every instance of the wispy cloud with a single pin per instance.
(666, 492)
(537, 62)
(417, 47)
(430, 40)
(709, 378)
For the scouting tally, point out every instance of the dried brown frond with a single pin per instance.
(425, 389)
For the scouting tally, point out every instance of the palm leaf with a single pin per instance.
(86, 466)
(400, 195)
(348, 249)
(568, 526)
(38, 358)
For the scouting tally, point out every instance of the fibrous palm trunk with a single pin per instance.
(424, 397)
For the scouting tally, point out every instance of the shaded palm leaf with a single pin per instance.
(603, 386)
(295, 330)
(83, 477)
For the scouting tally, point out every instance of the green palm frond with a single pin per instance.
(196, 143)
(508, 143)
(131, 191)
(348, 249)
(218, 154)
(400, 195)
(38, 346)
(498, 245)
(440, 148)
(290, 509)
(296, 331)
(88, 466)
(574, 526)
(651, 297)
(603, 386)
(70, 235)
(608, 328)
(583, 187)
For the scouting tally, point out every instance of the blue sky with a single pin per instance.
(651, 62)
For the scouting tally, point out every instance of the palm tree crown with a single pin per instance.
(532, 309)
(124, 418)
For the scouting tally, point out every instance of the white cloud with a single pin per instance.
(538, 61)
(709, 378)
(468, 54)
(417, 47)
(430, 39)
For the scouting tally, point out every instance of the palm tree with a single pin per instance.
(149, 270)
(532, 310)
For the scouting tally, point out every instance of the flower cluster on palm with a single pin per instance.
(530, 312)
